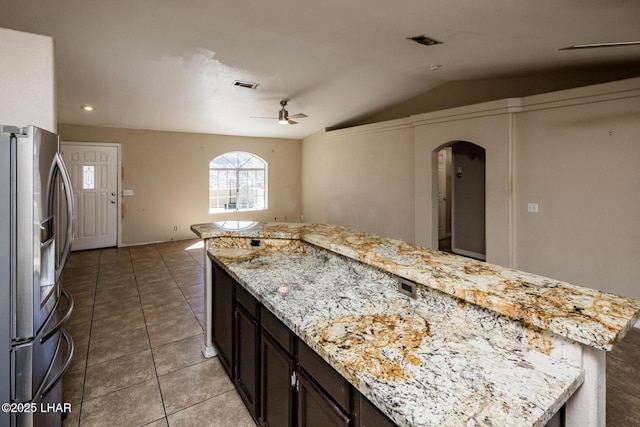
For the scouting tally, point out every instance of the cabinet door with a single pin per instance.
(276, 395)
(370, 416)
(223, 316)
(246, 358)
(315, 407)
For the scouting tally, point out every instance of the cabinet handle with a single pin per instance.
(294, 380)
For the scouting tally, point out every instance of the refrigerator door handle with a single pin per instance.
(62, 321)
(64, 367)
(68, 192)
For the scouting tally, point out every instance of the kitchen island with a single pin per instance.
(478, 345)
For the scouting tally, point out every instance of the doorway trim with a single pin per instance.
(456, 175)
(118, 147)
(491, 126)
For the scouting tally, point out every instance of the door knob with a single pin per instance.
(113, 194)
(113, 202)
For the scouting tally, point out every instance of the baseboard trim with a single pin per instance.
(209, 352)
(470, 254)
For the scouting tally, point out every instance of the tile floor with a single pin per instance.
(623, 382)
(137, 329)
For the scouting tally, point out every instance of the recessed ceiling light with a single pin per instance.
(595, 45)
(87, 107)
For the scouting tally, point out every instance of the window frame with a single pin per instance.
(235, 200)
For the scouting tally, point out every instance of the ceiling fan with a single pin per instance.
(283, 115)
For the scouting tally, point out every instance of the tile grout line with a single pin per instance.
(146, 327)
(231, 390)
(181, 291)
(192, 312)
(86, 360)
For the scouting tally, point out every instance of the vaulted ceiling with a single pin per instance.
(171, 65)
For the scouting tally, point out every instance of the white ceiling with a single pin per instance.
(170, 65)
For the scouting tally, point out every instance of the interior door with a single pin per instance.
(94, 178)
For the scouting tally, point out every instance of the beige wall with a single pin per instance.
(27, 82)
(168, 172)
(574, 152)
(361, 180)
(580, 161)
(488, 125)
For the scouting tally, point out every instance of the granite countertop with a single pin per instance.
(413, 358)
(587, 316)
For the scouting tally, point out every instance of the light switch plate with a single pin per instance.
(532, 207)
(127, 192)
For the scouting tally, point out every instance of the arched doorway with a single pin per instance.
(461, 199)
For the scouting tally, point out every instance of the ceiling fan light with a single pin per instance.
(283, 118)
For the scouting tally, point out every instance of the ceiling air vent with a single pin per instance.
(247, 85)
(422, 39)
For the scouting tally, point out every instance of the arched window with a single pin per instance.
(237, 182)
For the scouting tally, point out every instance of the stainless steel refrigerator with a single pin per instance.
(36, 212)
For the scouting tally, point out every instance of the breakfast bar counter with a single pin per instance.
(478, 344)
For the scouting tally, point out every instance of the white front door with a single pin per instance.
(94, 178)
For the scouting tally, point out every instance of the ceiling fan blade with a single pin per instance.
(291, 122)
(257, 117)
(298, 116)
(599, 45)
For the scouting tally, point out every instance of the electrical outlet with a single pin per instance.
(532, 207)
(406, 287)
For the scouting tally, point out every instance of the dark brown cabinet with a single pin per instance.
(316, 408)
(370, 416)
(278, 380)
(247, 359)
(223, 316)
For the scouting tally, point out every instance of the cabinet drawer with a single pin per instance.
(276, 329)
(327, 377)
(247, 301)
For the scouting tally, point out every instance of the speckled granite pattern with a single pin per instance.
(583, 315)
(412, 358)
